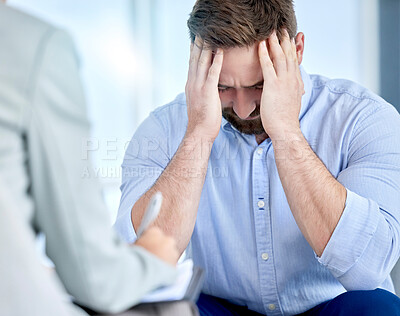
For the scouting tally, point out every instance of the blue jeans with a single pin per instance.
(366, 303)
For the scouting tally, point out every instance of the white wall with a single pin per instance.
(341, 39)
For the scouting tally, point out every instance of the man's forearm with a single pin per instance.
(181, 184)
(315, 197)
(182, 181)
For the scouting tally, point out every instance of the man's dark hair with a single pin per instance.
(240, 23)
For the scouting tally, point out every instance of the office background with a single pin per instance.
(134, 57)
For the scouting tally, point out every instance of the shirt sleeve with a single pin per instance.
(145, 159)
(95, 266)
(364, 246)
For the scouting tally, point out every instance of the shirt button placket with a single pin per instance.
(264, 247)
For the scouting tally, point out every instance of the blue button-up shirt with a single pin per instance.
(245, 235)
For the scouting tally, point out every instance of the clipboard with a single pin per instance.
(191, 294)
(187, 286)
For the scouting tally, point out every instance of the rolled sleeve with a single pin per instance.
(364, 246)
(358, 224)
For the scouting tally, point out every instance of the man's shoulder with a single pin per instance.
(167, 123)
(344, 87)
(172, 113)
(347, 97)
(343, 105)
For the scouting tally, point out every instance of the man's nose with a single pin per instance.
(244, 104)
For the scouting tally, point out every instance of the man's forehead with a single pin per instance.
(241, 66)
(248, 54)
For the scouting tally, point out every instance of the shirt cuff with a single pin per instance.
(349, 240)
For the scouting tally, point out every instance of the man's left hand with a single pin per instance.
(283, 86)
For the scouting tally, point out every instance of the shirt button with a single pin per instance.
(260, 203)
(259, 151)
(271, 307)
(265, 256)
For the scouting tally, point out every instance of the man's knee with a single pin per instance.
(376, 302)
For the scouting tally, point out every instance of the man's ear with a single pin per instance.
(299, 40)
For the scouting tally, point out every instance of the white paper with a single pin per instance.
(177, 290)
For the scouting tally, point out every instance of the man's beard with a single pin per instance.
(251, 127)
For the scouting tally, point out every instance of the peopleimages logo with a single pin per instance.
(113, 148)
(109, 153)
(149, 172)
(150, 156)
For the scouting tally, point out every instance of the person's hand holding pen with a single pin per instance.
(153, 238)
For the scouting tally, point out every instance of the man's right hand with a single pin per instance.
(182, 181)
(202, 97)
(159, 244)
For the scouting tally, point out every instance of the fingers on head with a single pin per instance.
(195, 52)
(215, 69)
(267, 66)
(263, 54)
(204, 62)
(286, 45)
(277, 54)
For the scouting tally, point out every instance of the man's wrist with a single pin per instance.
(197, 135)
(196, 146)
(290, 144)
(285, 132)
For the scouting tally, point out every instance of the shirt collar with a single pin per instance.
(226, 126)
(305, 99)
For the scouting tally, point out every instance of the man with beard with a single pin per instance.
(306, 217)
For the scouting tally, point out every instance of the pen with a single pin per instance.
(151, 213)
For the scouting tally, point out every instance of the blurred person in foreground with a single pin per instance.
(42, 124)
(284, 186)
